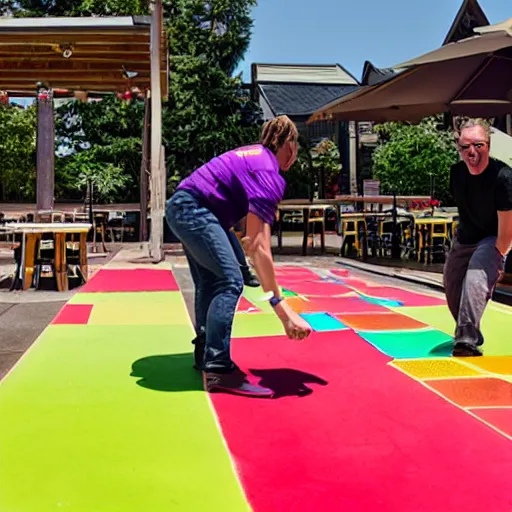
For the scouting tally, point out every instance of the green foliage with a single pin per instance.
(327, 162)
(204, 116)
(217, 32)
(410, 154)
(17, 153)
(112, 129)
(322, 161)
(104, 178)
(38, 8)
(208, 111)
(300, 178)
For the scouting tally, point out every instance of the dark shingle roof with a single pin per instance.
(301, 99)
(373, 75)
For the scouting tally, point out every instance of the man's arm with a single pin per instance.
(504, 207)
(504, 240)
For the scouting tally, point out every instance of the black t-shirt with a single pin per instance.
(479, 198)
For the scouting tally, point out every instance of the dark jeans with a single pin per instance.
(237, 248)
(470, 276)
(216, 274)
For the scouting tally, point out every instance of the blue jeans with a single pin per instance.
(239, 252)
(215, 271)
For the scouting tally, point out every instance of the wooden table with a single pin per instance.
(306, 207)
(32, 233)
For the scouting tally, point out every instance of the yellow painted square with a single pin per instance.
(434, 368)
(501, 365)
(139, 314)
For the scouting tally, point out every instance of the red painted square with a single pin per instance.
(244, 306)
(406, 297)
(131, 280)
(73, 314)
(337, 305)
(316, 288)
(475, 392)
(499, 417)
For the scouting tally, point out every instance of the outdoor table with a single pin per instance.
(32, 233)
(306, 207)
(426, 232)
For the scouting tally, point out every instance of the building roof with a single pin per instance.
(469, 16)
(94, 54)
(373, 75)
(301, 99)
(303, 73)
(300, 89)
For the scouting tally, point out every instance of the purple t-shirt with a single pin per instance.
(238, 182)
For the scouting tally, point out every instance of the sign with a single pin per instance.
(371, 187)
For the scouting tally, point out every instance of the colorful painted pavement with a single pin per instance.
(104, 412)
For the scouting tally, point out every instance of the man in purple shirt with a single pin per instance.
(243, 183)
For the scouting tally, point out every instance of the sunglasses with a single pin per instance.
(476, 145)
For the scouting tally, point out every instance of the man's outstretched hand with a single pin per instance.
(296, 328)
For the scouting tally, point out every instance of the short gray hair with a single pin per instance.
(461, 123)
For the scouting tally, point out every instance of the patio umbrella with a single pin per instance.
(470, 77)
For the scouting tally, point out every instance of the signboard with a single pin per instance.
(371, 187)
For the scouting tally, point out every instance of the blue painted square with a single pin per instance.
(320, 322)
(388, 303)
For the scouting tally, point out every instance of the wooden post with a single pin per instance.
(352, 130)
(157, 183)
(144, 173)
(45, 143)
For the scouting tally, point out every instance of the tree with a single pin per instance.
(17, 153)
(37, 8)
(101, 180)
(413, 158)
(108, 131)
(208, 111)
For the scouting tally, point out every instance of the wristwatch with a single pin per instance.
(274, 301)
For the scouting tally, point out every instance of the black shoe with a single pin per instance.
(234, 383)
(463, 349)
(249, 278)
(199, 343)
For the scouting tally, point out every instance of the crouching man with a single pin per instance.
(482, 188)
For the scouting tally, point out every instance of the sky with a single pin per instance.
(386, 32)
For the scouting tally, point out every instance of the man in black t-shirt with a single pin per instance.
(482, 188)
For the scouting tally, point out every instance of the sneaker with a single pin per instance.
(463, 349)
(250, 279)
(234, 383)
(199, 343)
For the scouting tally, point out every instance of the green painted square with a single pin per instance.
(111, 418)
(259, 298)
(410, 344)
(496, 325)
(150, 298)
(257, 324)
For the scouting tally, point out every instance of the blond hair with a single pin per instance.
(277, 131)
(461, 123)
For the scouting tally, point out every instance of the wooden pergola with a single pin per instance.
(91, 56)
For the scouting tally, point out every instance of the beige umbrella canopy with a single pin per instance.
(470, 77)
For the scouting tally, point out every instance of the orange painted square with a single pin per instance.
(494, 364)
(380, 322)
(297, 304)
(475, 391)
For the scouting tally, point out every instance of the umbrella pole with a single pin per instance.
(395, 240)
